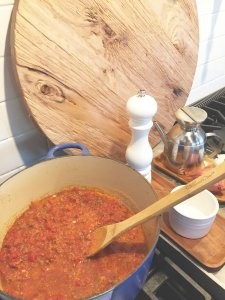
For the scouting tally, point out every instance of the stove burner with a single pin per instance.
(216, 115)
(214, 105)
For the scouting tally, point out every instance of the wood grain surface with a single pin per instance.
(209, 250)
(77, 64)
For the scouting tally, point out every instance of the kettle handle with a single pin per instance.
(161, 133)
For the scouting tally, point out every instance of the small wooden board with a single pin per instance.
(159, 162)
(207, 251)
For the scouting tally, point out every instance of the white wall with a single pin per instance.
(210, 72)
(21, 144)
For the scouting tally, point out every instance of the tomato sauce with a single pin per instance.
(43, 255)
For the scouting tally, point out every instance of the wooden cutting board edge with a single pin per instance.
(113, 147)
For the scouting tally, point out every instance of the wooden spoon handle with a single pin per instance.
(212, 176)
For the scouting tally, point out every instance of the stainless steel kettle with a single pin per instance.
(184, 144)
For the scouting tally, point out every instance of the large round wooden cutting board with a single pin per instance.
(78, 62)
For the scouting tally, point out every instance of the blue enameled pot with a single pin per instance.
(54, 174)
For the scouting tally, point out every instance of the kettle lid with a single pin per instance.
(191, 115)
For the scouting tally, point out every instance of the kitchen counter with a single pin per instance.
(214, 281)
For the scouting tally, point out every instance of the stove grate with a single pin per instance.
(167, 281)
(214, 105)
(216, 96)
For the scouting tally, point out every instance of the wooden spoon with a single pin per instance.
(103, 236)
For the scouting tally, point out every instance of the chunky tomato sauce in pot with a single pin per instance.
(43, 255)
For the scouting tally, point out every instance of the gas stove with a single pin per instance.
(214, 105)
(167, 280)
(174, 275)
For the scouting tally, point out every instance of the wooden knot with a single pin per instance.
(177, 91)
(50, 91)
(100, 28)
(108, 30)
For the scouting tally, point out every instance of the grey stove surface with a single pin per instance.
(168, 281)
(176, 276)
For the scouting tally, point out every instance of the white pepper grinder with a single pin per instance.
(141, 109)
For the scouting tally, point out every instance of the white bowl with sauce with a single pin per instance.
(193, 218)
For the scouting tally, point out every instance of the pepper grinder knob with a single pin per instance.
(141, 109)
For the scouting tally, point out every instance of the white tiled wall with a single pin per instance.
(21, 144)
(210, 72)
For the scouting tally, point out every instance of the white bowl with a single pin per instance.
(194, 217)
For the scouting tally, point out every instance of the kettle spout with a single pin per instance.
(161, 133)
